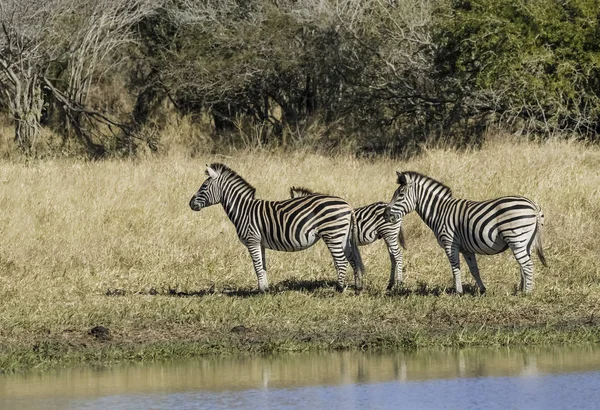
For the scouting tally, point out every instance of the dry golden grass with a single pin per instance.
(114, 243)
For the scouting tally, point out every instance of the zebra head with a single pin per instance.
(209, 193)
(403, 201)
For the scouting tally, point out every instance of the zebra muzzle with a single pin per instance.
(195, 205)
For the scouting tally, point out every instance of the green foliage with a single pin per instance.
(533, 61)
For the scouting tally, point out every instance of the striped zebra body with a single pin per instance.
(289, 225)
(472, 227)
(371, 226)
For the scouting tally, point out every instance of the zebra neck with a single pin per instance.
(236, 205)
(428, 207)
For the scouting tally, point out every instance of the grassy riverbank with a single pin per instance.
(114, 244)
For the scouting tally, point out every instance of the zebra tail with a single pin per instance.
(401, 237)
(538, 237)
(354, 245)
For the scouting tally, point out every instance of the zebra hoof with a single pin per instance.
(340, 288)
(357, 291)
(394, 286)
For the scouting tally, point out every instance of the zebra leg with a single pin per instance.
(472, 262)
(339, 261)
(396, 261)
(526, 264)
(358, 283)
(358, 280)
(257, 253)
(453, 257)
(340, 266)
(264, 260)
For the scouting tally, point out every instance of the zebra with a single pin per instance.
(472, 227)
(289, 225)
(371, 226)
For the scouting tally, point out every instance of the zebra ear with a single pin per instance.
(404, 179)
(401, 178)
(211, 172)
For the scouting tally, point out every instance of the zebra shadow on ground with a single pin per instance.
(303, 285)
(294, 285)
(424, 289)
(287, 285)
(319, 287)
(226, 291)
(165, 292)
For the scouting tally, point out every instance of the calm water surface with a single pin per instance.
(552, 378)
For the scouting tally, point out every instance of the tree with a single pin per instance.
(23, 25)
(52, 52)
(387, 58)
(531, 66)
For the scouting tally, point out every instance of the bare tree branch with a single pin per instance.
(39, 39)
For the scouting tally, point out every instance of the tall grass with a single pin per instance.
(114, 243)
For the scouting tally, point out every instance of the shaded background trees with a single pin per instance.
(370, 75)
(52, 54)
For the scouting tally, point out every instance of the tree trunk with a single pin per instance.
(25, 135)
(310, 95)
(26, 110)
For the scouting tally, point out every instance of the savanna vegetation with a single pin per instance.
(110, 109)
(114, 244)
(371, 76)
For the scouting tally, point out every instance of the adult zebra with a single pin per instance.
(289, 225)
(371, 226)
(470, 227)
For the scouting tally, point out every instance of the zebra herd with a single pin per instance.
(461, 226)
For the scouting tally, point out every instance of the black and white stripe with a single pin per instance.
(472, 227)
(372, 226)
(289, 225)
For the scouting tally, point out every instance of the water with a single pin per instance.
(466, 379)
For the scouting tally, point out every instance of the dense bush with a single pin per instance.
(529, 65)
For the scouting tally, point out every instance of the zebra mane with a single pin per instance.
(297, 191)
(445, 190)
(230, 175)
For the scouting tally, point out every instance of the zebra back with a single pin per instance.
(369, 218)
